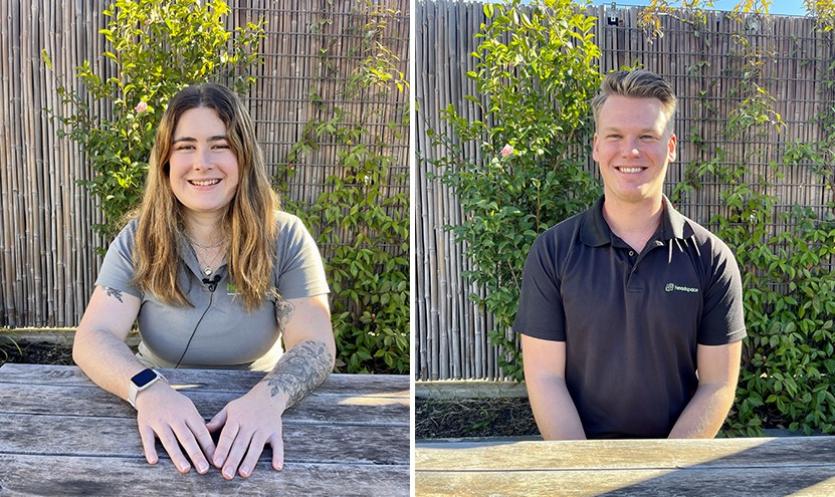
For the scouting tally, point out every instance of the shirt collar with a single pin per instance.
(595, 231)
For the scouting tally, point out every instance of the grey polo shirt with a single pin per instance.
(631, 321)
(227, 335)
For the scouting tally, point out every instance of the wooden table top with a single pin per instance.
(750, 467)
(62, 435)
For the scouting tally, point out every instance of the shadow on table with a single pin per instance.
(779, 467)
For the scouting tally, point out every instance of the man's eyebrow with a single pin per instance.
(612, 129)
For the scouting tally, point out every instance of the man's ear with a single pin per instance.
(594, 147)
(671, 147)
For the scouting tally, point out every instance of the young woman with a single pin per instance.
(215, 275)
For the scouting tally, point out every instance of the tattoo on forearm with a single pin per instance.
(300, 370)
(116, 294)
(283, 311)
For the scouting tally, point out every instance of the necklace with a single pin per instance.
(208, 267)
(214, 245)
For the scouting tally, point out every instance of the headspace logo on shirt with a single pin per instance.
(672, 287)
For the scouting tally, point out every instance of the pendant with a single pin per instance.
(207, 271)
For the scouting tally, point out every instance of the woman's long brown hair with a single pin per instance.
(249, 219)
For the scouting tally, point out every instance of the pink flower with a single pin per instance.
(141, 107)
(507, 150)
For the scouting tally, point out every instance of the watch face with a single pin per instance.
(143, 377)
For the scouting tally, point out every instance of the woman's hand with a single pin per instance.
(164, 413)
(249, 423)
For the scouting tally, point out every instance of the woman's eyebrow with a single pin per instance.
(190, 139)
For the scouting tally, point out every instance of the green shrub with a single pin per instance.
(157, 47)
(535, 74)
(788, 283)
(360, 216)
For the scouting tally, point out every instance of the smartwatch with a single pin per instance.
(141, 381)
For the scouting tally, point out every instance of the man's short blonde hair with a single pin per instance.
(638, 83)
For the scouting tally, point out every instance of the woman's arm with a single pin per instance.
(99, 347)
(309, 359)
(100, 351)
(310, 348)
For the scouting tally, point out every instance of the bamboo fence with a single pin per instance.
(47, 247)
(450, 331)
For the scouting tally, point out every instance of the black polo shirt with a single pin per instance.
(631, 321)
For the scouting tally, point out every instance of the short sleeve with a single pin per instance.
(117, 269)
(723, 320)
(299, 268)
(540, 313)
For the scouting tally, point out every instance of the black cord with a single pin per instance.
(212, 287)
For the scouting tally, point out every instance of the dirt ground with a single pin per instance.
(34, 353)
(502, 417)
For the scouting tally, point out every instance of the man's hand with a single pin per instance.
(249, 423)
(164, 413)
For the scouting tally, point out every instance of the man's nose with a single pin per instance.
(630, 148)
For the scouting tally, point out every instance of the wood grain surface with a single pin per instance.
(761, 467)
(27, 475)
(221, 380)
(62, 435)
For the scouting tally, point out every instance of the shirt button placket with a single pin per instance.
(633, 263)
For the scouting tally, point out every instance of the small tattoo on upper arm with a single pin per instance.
(116, 294)
(283, 312)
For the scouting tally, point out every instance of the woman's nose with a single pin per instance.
(202, 159)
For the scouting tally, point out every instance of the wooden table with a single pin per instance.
(62, 435)
(751, 467)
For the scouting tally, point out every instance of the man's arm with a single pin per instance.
(552, 406)
(718, 369)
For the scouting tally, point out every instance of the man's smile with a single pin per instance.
(630, 169)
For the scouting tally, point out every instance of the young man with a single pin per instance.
(630, 313)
